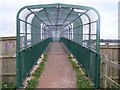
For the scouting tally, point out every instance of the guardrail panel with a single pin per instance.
(87, 58)
(28, 58)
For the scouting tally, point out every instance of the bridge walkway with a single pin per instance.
(58, 72)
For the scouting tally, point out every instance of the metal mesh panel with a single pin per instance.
(79, 24)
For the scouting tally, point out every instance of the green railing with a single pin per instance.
(27, 58)
(87, 58)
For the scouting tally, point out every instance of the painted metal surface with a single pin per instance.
(36, 23)
(87, 58)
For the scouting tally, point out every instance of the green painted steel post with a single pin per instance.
(25, 39)
(98, 51)
(18, 80)
(18, 71)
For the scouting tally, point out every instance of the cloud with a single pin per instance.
(107, 10)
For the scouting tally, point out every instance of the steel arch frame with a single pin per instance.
(52, 6)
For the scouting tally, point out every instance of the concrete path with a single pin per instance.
(58, 72)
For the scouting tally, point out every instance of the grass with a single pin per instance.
(81, 81)
(8, 86)
(34, 82)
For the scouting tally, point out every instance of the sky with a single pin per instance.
(108, 10)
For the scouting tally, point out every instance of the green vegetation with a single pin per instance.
(33, 82)
(81, 81)
(8, 86)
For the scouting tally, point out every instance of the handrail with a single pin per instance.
(87, 58)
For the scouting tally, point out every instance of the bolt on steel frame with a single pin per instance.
(75, 26)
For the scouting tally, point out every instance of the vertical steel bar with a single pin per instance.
(69, 31)
(98, 51)
(18, 71)
(25, 39)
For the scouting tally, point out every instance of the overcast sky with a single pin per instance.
(108, 10)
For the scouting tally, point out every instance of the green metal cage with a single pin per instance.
(78, 27)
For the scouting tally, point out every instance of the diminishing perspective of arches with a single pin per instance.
(78, 27)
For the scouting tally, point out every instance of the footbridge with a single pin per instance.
(77, 27)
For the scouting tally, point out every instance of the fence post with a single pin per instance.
(105, 71)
